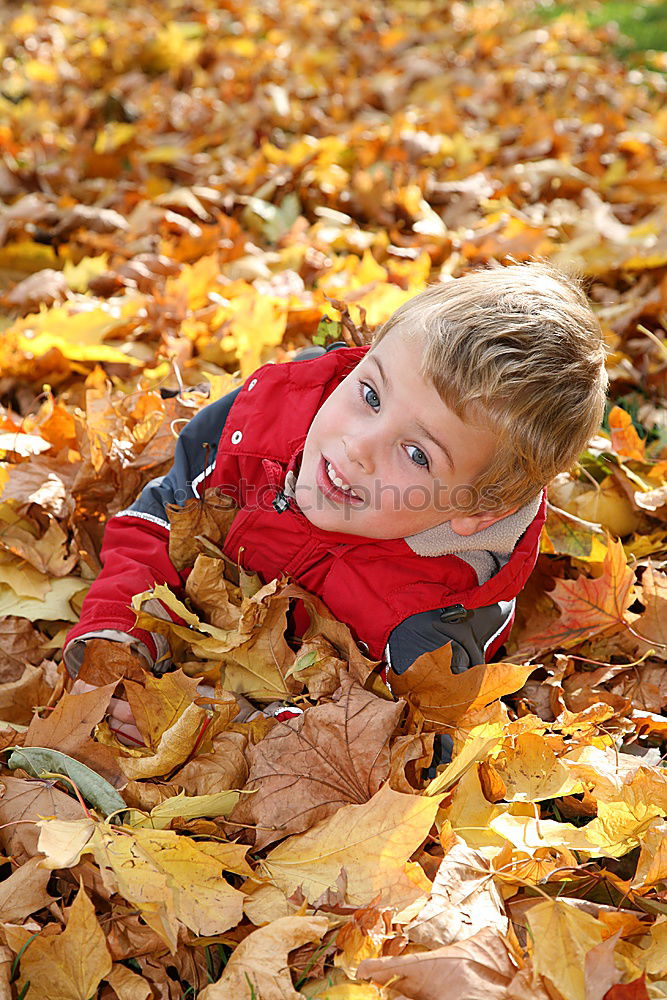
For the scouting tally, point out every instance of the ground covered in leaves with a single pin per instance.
(186, 188)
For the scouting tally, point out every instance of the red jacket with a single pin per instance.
(372, 585)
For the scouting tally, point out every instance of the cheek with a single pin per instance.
(417, 497)
(331, 421)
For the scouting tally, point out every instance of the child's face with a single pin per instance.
(377, 433)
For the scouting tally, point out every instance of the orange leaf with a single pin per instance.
(625, 440)
(443, 697)
(588, 606)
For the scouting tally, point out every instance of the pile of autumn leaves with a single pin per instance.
(313, 851)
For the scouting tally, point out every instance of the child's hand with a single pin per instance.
(122, 723)
(120, 717)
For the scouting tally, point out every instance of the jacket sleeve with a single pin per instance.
(475, 637)
(135, 550)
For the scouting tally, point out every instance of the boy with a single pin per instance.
(402, 483)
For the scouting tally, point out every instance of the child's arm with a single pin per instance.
(475, 635)
(135, 551)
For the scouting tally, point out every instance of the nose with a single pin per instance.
(359, 449)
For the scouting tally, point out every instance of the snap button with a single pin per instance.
(363, 648)
(236, 437)
(455, 614)
(252, 384)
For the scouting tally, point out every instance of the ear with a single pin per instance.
(469, 524)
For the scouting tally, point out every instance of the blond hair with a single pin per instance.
(519, 350)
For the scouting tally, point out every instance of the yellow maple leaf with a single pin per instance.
(532, 772)
(77, 335)
(66, 966)
(562, 935)
(167, 877)
(175, 746)
(366, 847)
(652, 864)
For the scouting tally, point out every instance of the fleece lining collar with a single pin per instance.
(486, 551)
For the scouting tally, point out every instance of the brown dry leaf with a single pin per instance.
(650, 631)
(6, 964)
(135, 238)
(105, 662)
(324, 670)
(256, 656)
(368, 845)
(479, 967)
(209, 518)
(527, 985)
(409, 755)
(303, 771)
(47, 286)
(210, 593)
(264, 903)
(600, 970)
(337, 634)
(49, 553)
(464, 900)
(46, 483)
(22, 804)
(225, 766)
(130, 936)
(634, 990)
(127, 985)
(444, 697)
(259, 668)
(259, 966)
(24, 892)
(66, 966)
(19, 698)
(71, 722)
(68, 729)
(20, 643)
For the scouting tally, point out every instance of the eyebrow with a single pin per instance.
(425, 431)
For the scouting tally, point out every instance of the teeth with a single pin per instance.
(337, 481)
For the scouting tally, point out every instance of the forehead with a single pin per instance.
(416, 402)
(400, 358)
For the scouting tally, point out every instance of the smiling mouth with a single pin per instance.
(337, 481)
(334, 486)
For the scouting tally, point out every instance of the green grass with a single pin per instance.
(643, 26)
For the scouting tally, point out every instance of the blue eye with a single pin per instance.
(370, 396)
(418, 456)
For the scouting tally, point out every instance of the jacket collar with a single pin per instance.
(486, 551)
(499, 537)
